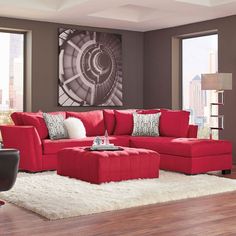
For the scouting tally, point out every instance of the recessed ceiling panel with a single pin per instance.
(136, 15)
(69, 3)
(41, 4)
(208, 3)
(129, 12)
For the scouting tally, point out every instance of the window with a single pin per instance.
(199, 56)
(12, 74)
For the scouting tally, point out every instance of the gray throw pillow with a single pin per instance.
(55, 125)
(146, 124)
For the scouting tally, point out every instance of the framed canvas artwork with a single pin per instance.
(90, 68)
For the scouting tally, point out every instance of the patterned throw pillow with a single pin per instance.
(55, 125)
(146, 124)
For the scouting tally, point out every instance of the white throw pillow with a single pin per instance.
(75, 128)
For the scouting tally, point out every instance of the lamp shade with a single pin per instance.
(217, 81)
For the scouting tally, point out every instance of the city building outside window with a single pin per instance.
(12, 74)
(199, 56)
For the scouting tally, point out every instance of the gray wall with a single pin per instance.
(44, 59)
(157, 66)
(151, 87)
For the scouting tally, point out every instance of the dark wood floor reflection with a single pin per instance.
(205, 216)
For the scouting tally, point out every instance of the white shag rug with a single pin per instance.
(58, 197)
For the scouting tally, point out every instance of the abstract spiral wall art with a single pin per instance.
(90, 68)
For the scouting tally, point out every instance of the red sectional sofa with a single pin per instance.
(179, 148)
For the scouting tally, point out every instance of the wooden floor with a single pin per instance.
(205, 216)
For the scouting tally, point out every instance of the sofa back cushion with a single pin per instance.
(37, 121)
(93, 121)
(17, 116)
(109, 120)
(124, 122)
(148, 111)
(174, 123)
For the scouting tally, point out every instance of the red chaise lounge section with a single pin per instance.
(188, 155)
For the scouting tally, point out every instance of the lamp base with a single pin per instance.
(210, 136)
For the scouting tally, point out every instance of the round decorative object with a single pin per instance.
(90, 68)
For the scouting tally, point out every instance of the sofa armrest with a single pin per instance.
(26, 140)
(192, 131)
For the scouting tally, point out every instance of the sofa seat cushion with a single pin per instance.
(53, 146)
(187, 147)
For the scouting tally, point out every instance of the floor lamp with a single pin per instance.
(218, 82)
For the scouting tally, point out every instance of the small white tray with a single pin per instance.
(104, 147)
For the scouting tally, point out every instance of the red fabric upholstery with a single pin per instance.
(105, 166)
(93, 121)
(174, 123)
(185, 147)
(148, 111)
(110, 120)
(124, 122)
(188, 155)
(192, 131)
(196, 165)
(34, 119)
(17, 116)
(27, 141)
(38, 122)
(63, 113)
(49, 162)
(53, 146)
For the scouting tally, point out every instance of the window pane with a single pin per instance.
(199, 56)
(12, 78)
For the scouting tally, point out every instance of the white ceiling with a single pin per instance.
(137, 15)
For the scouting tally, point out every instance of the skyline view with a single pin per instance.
(11, 81)
(199, 57)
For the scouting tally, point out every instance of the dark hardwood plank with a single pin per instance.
(210, 215)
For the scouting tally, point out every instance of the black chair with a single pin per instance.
(9, 163)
